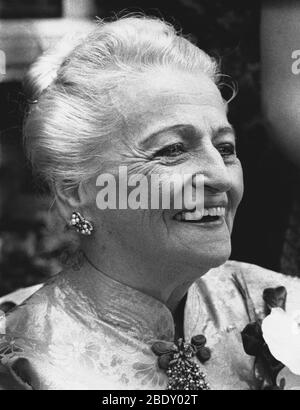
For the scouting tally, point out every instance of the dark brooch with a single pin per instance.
(176, 359)
(266, 367)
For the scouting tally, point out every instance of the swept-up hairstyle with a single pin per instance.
(66, 129)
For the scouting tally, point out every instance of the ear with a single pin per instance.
(70, 199)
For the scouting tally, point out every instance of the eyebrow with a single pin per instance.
(190, 129)
(227, 129)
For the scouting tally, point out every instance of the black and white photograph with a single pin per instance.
(149, 197)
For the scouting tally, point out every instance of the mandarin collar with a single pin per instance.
(126, 309)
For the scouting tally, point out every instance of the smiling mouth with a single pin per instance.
(207, 215)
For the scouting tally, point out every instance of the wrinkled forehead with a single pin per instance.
(166, 97)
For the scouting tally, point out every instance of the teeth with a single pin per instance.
(198, 215)
(192, 216)
(187, 216)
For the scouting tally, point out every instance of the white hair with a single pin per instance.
(66, 130)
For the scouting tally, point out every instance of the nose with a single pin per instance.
(217, 178)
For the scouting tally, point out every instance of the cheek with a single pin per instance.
(127, 225)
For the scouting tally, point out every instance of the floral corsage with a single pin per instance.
(275, 343)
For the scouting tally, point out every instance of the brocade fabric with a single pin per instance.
(77, 334)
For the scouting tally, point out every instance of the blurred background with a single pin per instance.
(267, 225)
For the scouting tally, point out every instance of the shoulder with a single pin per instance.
(258, 278)
(21, 295)
(28, 332)
(30, 318)
(233, 292)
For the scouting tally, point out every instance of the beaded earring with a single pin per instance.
(81, 224)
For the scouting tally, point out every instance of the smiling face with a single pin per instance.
(175, 123)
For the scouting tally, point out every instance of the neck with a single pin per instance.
(161, 279)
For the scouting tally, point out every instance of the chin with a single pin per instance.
(219, 260)
(215, 256)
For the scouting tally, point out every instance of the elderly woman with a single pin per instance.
(136, 94)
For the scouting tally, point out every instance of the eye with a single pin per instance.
(226, 150)
(173, 150)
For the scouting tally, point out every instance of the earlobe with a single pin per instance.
(69, 202)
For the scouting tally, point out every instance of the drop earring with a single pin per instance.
(81, 224)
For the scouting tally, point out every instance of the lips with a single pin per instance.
(208, 214)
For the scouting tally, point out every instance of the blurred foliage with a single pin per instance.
(229, 31)
(28, 249)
